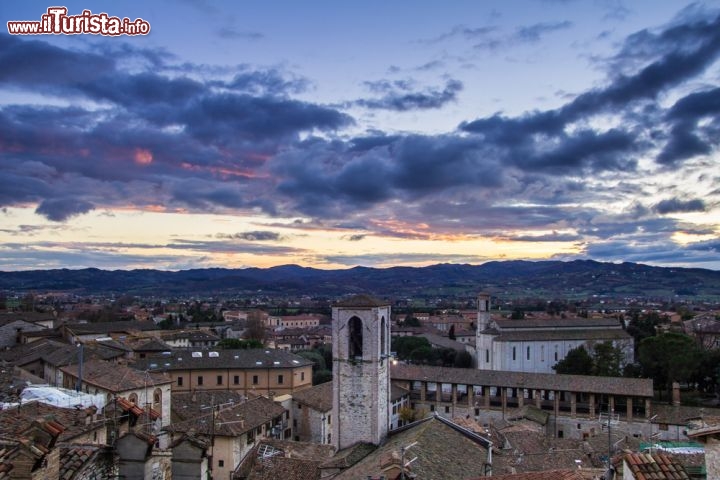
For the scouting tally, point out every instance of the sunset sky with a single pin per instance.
(332, 134)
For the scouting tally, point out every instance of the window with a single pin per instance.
(487, 355)
(236, 380)
(133, 398)
(329, 437)
(200, 380)
(542, 353)
(255, 380)
(528, 353)
(180, 381)
(329, 419)
(383, 327)
(219, 379)
(432, 408)
(280, 379)
(447, 409)
(514, 351)
(302, 376)
(221, 463)
(477, 412)
(355, 339)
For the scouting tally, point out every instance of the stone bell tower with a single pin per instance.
(361, 374)
(483, 341)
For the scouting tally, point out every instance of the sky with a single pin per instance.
(335, 134)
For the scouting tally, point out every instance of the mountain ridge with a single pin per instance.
(513, 277)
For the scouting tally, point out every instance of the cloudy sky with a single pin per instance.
(333, 134)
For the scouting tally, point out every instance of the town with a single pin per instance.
(357, 387)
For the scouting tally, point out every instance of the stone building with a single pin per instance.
(536, 346)
(266, 372)
(361, 385)
(312, 414)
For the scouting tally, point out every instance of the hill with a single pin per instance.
(580, 278)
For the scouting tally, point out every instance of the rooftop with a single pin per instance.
(115, 378)
(231, 421)
(362, 301)
(223, 359)
(657, 466)
(637, 387)
(442, 449)
(319, 397)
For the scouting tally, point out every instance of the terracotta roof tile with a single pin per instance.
(319, 397)
(639, 387)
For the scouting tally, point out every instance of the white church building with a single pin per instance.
(535, 345)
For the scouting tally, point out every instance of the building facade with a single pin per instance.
(536, 346)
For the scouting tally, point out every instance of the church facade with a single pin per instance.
(536, 346)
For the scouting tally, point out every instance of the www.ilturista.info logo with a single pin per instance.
(57, 22)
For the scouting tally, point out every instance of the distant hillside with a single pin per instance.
(579, 278)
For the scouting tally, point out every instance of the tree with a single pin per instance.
(607, 360)
(422, 355)
(411, 321)
(668, 358)
(451, 332)
(463, 360)
(577, 362)
(322, 376)
(517, 314)
(642, 326)
(254, 327)
(238, 344)
(404, 346)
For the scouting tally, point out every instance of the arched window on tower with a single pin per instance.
(383, 337)
(355, 340)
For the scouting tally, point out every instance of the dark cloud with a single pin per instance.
(235, 34)
(261, 236)
(268, 81)
(463, 31)
(60, 209)
(534, 33)
(553, 237)
(52, 67)
(355, 238)
(229, 246)
(221, 116)
(675, 205)
(385, 259)
(399, 99)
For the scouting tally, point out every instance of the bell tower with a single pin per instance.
(361, 374)
(483, 340)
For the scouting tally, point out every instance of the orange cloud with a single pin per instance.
(143, 156)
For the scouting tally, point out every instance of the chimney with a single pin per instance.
(676, 394)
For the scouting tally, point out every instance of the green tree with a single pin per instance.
(577, 362)
(315, 357)
(422, 355)
(517, 314)
(411, 321)
(451, 332)
(668, 358)
(607, 360)
(322, 376)
(463, 360)
(238, 344)
(404, 346)
(642, 326)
